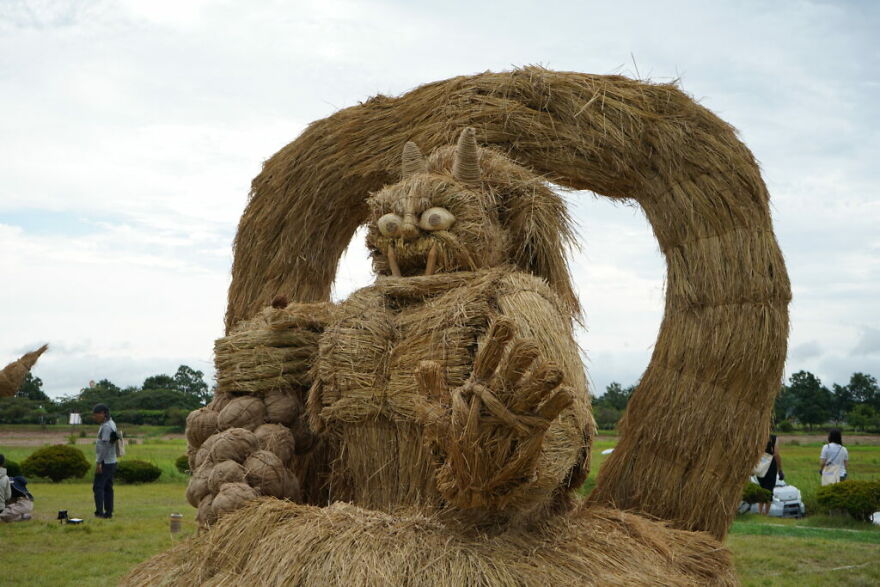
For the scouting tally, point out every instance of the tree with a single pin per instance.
(615, 396)
(192, 382)
(862, 417)
(841, 402)
(784, 406)
(812, 401)
(864, 390)
(32, 389)
(159, 382)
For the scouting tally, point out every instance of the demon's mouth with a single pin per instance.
(428, 255)
(394, 265)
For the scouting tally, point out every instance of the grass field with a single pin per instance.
(813, 551)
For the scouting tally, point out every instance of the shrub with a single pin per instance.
(754, 493)
(134, 471)
(13, 469)
(56, 462)
(154, 417)
(182, 464)
(176, 417)
(785, 426)
(859, 498)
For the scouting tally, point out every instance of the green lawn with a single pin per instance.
(813, 551)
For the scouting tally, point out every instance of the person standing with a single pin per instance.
(105, 461)
(768, 481)
(833, 459)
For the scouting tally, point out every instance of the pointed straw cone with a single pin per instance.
(466, 167)
(413, 160)
(14, 373)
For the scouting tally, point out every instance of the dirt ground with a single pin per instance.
(57, 435)
(820, 438)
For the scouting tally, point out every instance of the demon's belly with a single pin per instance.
(371, 403)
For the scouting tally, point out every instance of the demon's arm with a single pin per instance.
(255, 431)
(515, 435)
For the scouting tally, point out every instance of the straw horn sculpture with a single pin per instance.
(434, 427)
(14, 374)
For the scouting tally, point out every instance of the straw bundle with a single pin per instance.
(271, 352)
(282, 408)
(13, 374)
(200, 425)
(198, 486)
(267, 474)
(205, 515)
(242, 412)
(220, 401)
(235, 444)
(232, 496)
(203, 454)
(225, 472)
(280, 543)
(719, 355)
(276, 439)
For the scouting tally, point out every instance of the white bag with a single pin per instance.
(830, 475)
(763, 465)
(119, 445)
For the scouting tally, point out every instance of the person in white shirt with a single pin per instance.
(833, 459)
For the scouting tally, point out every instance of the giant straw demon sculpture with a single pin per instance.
(435, 426)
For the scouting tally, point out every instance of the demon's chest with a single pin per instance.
(369, 356)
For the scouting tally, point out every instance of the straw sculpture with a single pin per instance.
(13, 374)
(434, 427)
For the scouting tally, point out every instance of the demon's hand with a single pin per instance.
(491, 429)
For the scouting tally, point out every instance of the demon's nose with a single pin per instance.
(409, 231)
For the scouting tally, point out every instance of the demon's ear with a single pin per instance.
(466, 165)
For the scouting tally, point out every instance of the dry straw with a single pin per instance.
(13, 374)
(719, 355)
(495, 446)
(273, 542)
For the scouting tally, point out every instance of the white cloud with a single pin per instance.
(132, 130)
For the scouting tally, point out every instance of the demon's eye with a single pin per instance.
(390, 224)
(436, 219)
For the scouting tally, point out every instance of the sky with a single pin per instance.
(130, 131)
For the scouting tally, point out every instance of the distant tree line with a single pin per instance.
(802, 402)
(161, 400)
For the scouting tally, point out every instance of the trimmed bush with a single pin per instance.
(182, 464)
(754, 493)
(13, 469)
(785, 426)
(135, 471)
(57, 462)
(859, 498)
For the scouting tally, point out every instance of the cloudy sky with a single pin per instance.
(130, 131)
